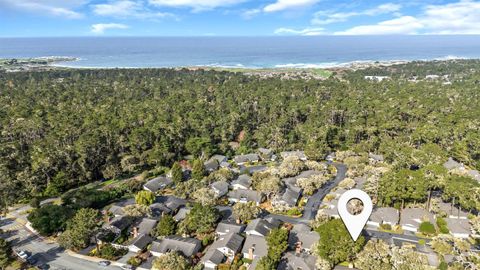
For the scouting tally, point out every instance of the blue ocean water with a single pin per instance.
(252, 52)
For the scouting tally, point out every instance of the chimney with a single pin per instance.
(250, 252)
(135, 232)
(298, 247)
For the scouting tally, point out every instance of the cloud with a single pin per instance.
(282, 5)
(323, 18)
(100, 28)
(128, 9)
(400, 26)
(251, 13)
(196, 5)
(47, 7)
(303, 32)
(454, 18)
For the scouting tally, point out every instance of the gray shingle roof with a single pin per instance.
(220, 186)
(260, 226)
(258, 243)
(146, 226)
(141, 241)
(171, 202)
(246, 158)
(243, 180)
(233, 241)
(225, 227)
(299, 154)
(158, 209)
(245, 194)
(211, 165)
(294, 261)
(375, 157)
(290, 197)
(121, 222)
(384, 215)
(182, 213)
(214, 256)
(188, 246)
(219, 158)
(414, 216)
(158, 183)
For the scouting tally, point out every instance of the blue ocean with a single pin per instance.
(248, 52)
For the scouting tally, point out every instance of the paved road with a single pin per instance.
(314, 201)
(42, 250)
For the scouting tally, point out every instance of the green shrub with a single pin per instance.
(385, 226)
(421, 242)
(427, 228)
(443, 266)
(134, 261)
(442, 225)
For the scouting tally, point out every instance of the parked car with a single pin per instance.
(104, 263)
(32, 261)
(127, 267)
(22, 254)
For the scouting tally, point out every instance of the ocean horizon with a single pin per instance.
(241, 52)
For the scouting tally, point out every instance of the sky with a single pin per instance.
(53, 18)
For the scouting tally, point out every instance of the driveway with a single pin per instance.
(315, 200)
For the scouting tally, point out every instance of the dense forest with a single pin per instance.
(62, 129)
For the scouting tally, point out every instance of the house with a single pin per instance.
(244, 159)
(297, 261)
(140, 243)
(266, 154)
(374, 158)
(226, 227)
(261, 227)
(299, 154)
(253, 169)
(459, 228)
(245, 195)
(119, 224)
(288, 199)
(225, 164)
(432, 77)
(244, 181)
(145, 226)
(181, 214)
(383, 215)
(116, 209)
(212, 259)
(302, 238)
(187, 246)
(331, 157)
(452, 164)
(229, 244)
(219, 158)
(159, 209)
(376, 78)
(211, 165)
(157, 184)
(172, 202)
(411, 218)
(220, 188)
(255, 247)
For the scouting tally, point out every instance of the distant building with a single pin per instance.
(260, 227)
(297, 261)
(157, 184)
(299, 154)
(244, 159)
(225, 227)
(302, 238)
(187, 246)
(377, 78)
(211, 165)
(383, 215)
(375, 158)
(244, 196)
(220, 188)
(140, 243)
(288, 198)
(244, 181)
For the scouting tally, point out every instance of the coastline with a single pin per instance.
(62, 62)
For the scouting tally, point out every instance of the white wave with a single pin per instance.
(307, 65)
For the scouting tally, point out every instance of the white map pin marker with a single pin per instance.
(355, 223)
